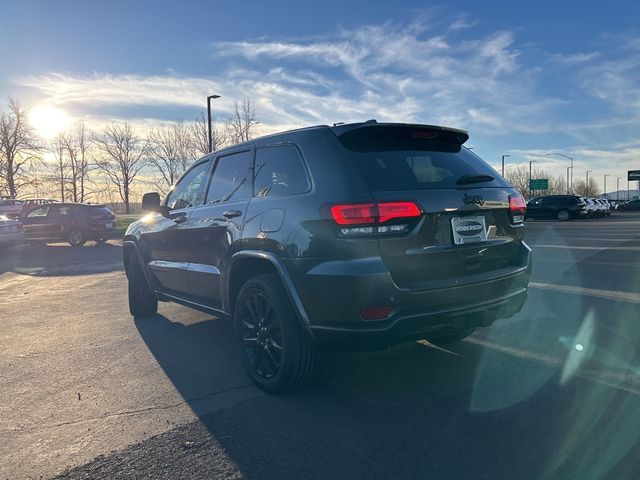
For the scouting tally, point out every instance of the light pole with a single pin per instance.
(530, 162)
(569, 180)
(209, 98)
(503, 157)
(618, 188)
(586, 185)
(604, 194)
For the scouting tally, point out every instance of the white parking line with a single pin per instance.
(621, 380)
(591, 292)
(594, 239)
(586, 261)
(573, 247)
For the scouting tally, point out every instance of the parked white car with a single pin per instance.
(607, 206)
(592, 208)
(11, 232)
(599, 209)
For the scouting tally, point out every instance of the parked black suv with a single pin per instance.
(347, 237)
(562, 207)
(68, 222)
(630, 205)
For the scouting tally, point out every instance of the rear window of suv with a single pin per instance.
(407, 158)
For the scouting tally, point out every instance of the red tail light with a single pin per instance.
(373, 213)
(392, 210)
(357, 214)
(518, 208)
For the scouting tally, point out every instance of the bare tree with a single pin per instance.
(200, 137)
(18, 147)
(558, 185)
(518, 177)
(170, 150)
(123, 155)
(580, 188)
(241, 127)
(60, 174)
(77, 146)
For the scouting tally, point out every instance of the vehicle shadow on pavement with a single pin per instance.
(412, 411)
(61, 259)
(198, 357)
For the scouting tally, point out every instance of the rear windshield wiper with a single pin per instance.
(474, 178)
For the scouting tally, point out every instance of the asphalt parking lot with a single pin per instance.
(87, 392)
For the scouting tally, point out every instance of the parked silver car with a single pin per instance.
(10, 207)
(11, 232)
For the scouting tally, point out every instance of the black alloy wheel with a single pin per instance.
(276, 353)
(261, 334)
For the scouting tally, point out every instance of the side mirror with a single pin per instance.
(151, 202)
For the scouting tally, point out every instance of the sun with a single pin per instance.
(48, 121)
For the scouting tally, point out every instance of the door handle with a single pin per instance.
(232, 213)
(179, 217)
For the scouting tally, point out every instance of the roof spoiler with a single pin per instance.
(453, 134)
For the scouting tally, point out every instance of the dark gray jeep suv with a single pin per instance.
(355, 236)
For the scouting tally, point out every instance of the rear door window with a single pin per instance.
(407, 158)
(280, 171)
(231, 179)
(62, 210)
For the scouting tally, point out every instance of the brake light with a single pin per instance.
(373, 213)
(517, 207)
(423, 134)
(357, 214)
(368, 218)
(393, 210)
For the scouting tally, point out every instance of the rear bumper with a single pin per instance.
(333, 293)
(427, 325)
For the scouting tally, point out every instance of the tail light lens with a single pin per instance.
(370, 217)
(392, 210)
(356, 214)
(517, 207)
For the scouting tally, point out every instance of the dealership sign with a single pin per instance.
(539, 184)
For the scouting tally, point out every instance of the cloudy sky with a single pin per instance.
(525, 80)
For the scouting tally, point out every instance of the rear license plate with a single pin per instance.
(468, 230)
(109, 225)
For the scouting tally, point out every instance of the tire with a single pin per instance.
(142, 301)
(449, 339)
(76, 237)
(563, 215)
(276, 353)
